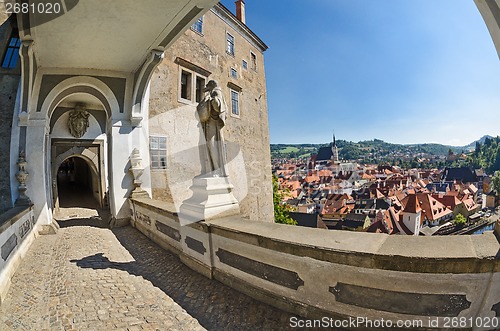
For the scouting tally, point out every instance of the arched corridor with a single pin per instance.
(77, 197)
(76, 184)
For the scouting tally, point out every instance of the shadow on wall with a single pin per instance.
(214, 305)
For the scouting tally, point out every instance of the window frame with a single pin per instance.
(195, 77)
(198, 26)
(244, 64)
(233, 73)
(189, 85)
(11, 54)
(230, 45)
(160, 165)
(238, 102)
(253, 61)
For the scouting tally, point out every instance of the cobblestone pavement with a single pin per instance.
(88, 277)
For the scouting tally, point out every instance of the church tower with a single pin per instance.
(335, 151)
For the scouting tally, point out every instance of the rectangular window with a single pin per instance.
(253, 61)
(200, 84)
(158, 151)
(234, 73)
(244, 64)
(230, 44)
(12, 52)
(191, 84)
(235, 107)
(186, 85)
(198, 26)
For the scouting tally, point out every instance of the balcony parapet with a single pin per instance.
(16, 235)
(319, 273)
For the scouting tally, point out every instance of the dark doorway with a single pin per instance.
(76, 184)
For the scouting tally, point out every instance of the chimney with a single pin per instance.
(240, 10)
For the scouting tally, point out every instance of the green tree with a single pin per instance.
(478, 148)
(281, 211)
(496, 182)
(459, 219)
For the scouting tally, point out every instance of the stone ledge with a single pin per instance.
(444, 254)
(12, 215)
(452, 254)
(158, 206)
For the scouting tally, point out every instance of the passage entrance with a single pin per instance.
(76, 184)
(78, 174)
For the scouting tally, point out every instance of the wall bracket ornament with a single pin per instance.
(78, 121)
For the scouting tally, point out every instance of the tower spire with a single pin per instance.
(335, 151)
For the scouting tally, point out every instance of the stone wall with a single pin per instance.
(3, 14)
(247, 136)
(318, 273)
(9, 83)
(16, 236)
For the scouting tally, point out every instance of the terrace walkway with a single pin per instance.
(90, 277)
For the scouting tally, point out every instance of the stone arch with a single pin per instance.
(90, 157)
(80, 84)
(93, 161)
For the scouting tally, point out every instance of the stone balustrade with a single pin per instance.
(16, 236)
(317, 273)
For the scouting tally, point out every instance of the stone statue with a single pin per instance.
(212, 111)
(78, 121)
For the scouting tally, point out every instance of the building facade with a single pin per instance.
(218, 46)
(125, 94)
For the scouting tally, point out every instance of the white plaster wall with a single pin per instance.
(35, 156)
(14, 147)
(61, 130)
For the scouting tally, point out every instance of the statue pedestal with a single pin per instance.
(212, 198)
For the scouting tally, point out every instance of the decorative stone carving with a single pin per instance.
(137, 170)
(212, 112)
(22, 177)
(212, 191)
(78, 121)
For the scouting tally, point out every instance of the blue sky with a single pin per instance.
(409, 71)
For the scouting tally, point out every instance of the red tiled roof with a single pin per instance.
(449, 200)
(411, 204)
(432, 208)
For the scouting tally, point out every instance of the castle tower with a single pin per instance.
(335, 151)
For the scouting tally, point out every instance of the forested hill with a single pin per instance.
(486, 155)
(349, 150)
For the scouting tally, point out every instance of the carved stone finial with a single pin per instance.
(78, 121)
(22, 177)
(137, 170)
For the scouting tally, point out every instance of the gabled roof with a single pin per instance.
(324, 153)
(449, 200)
(469, 204)
(432, 208)
(464, 174)
(386, 223)
(410, 204)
